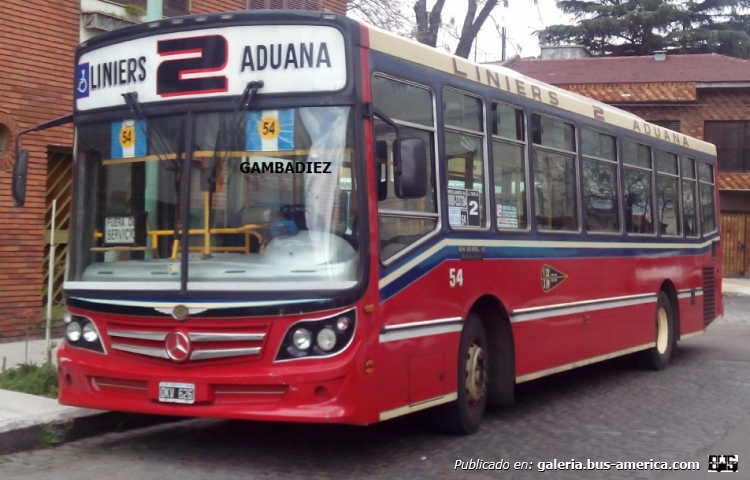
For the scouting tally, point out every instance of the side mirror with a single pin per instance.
(410, 165)
(20, 174)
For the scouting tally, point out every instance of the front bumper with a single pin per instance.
(307, 390)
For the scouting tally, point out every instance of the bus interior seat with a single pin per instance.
(255, 215)
(296, 213)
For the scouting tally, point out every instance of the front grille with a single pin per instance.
(205, 343)
(709, 295)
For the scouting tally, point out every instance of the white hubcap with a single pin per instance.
(476, 374)
(662, 331)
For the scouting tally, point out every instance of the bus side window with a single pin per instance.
(639, 206)
(554, 160)
(509, 165)
(600, 185)
(402, 222)
(689, 196)
(464, 152)
(667, 195)
(707, 196)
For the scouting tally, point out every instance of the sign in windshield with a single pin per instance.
(213, 62)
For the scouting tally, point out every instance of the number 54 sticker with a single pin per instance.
(456, 277)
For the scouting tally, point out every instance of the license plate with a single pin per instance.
(176, 392)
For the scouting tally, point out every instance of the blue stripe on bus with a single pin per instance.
(450, 252)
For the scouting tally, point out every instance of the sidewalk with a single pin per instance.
(24, 417)
(28, 421)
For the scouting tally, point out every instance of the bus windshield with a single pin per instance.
(271, 202)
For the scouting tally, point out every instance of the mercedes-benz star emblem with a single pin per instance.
(177, 346)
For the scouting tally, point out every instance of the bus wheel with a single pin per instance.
(465, 414)
(658, 356)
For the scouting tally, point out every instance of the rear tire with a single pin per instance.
(658, 356)
(463, 416)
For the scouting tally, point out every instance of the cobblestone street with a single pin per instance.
(607, 412)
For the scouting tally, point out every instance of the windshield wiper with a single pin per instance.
(228, 140)
(157, 143)
(131, 100)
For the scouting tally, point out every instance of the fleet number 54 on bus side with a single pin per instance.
(293, 216)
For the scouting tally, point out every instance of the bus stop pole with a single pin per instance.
(50, 283)
(154, 12)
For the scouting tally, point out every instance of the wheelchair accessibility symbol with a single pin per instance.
(82, 81)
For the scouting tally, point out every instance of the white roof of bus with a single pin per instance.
(400, 47)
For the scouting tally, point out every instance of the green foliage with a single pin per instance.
(135, 10)
(48, 438)
(639, 27)
(30, 378)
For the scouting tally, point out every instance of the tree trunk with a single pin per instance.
(472, 26)
(428, 23)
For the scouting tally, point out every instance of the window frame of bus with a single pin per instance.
(524, 144)
(618, 183)
(576, 160)
(653, 186)
(474, 134)
(657, 173)
(696, 200)
(435, 165)
(712, 183)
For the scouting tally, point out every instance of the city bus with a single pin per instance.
(293, 216)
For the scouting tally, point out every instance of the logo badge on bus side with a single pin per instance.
(551, 278)
(177, 346)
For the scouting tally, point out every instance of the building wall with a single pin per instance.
(650, 102)
(37, 46)
(37, 43)
(710, 105)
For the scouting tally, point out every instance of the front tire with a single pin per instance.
(464, 415)
(658, 356)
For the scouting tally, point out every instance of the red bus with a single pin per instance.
(296, 217)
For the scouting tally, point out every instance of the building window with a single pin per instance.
(732, 140)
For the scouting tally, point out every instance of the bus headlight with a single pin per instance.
(326, 339)
(302, 338)
(321, 337)
(89, 332)
(81, 332)
(342, 323)
(73, 331)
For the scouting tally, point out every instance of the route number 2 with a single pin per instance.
(456, 277)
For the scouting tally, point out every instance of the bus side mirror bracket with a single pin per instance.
(411, 177)
(20, 175)
(409, 159)
(21, 165)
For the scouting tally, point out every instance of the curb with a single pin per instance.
(76, 426)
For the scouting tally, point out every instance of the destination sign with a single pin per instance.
(213, 62)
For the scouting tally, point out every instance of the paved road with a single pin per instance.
(606, 412)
